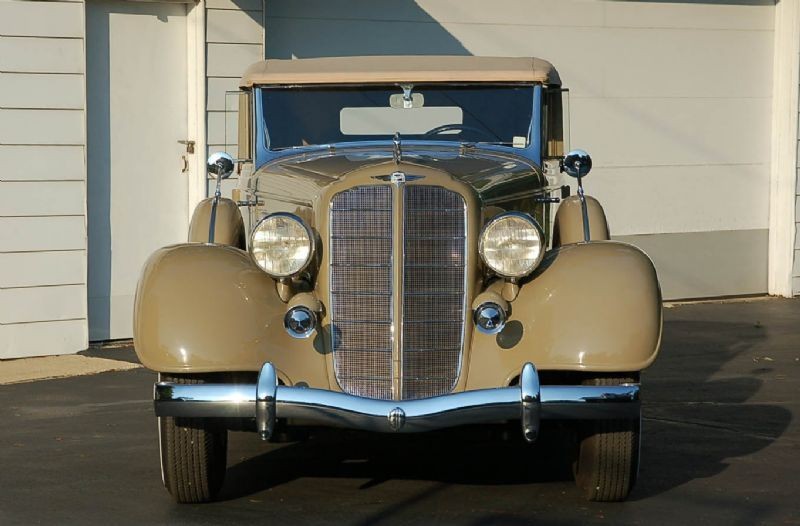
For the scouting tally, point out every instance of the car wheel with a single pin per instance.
(607, 457)
(193, 453)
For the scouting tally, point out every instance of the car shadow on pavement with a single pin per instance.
(697, 414)
(458, 456)
(699, 407)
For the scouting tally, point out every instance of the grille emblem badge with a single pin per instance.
(397, 419)
(398, 178)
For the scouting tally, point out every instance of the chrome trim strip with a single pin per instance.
(398, 277)
(584, 212)
(397, 149)
(212, 223)
(266, 401)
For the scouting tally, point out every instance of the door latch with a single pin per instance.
(189, 145)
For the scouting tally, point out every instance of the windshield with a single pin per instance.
(497, 114)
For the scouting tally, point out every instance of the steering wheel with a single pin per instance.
(463, 128)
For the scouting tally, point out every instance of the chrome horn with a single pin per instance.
(577, 164)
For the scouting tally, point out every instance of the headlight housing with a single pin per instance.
(512, 244)
(282, 244)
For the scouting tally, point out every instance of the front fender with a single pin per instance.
(207, 308)
(228, 223)
(568, 223)
(589, 307)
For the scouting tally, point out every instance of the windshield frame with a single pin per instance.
(532, 151)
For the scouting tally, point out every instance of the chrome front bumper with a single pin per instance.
(266, 401)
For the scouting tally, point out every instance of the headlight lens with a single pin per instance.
(512, 244)
(281, 244)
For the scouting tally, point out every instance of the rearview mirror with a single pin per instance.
(400, 101)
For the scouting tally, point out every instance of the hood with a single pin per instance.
(494, 176)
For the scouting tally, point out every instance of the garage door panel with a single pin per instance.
(759, 16)
(663, 132)
(675, 200)
(688, 63)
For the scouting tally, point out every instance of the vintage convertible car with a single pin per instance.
(404, 271)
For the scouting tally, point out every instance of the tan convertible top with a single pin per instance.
(393, 69)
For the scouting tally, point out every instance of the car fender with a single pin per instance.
(589, 307)
(568, 223)
(228, 223)
(209, 308)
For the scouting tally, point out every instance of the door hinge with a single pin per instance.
(189, 145)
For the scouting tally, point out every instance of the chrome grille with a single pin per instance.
(433, 272)
(433, 290)
(361, 290)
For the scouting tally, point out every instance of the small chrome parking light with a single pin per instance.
(300, 322)
(490, 318)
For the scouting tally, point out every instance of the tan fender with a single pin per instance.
(590, 307)
(568, 224)
(229, 226)
(204, 308)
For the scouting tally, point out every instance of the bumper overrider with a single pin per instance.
(266, 401)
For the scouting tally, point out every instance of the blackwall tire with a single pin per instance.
(193, 454)
(606, 462)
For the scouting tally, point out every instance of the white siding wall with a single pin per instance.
(673, 101)
(235, 39)
(796, 267)
(43, 178)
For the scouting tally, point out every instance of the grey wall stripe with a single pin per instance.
(706, 264)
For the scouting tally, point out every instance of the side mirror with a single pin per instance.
(576, 163)
(220, 165)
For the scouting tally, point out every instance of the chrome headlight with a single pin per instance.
(512, 244)
(281, 244)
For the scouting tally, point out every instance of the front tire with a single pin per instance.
(193, 454)
(607, 458)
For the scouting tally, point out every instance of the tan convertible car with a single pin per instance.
(406, 270)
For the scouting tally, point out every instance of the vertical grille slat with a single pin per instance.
(433, 290)
(432, 296)
(361, 288)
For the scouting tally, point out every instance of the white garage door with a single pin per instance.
(672, 99)
(136, 112)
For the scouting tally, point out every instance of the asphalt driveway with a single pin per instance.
(721, 446)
